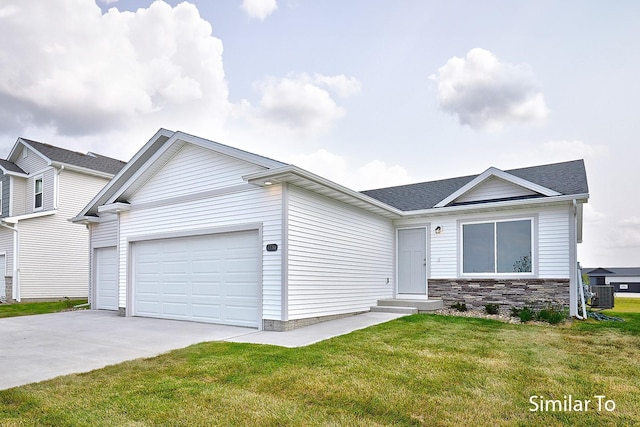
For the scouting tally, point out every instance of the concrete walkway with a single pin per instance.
(37, 348)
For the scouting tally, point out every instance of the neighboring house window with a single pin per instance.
(497, 247)
(38, 194)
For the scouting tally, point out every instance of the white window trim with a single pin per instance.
(534, 269)
(35, 181)
(1, 196)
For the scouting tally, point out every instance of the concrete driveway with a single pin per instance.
(38, 348)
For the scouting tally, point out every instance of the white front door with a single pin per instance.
(412, 262)
(106, 263)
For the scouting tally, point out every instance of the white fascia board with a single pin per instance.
(15, 219)
(84, 220)
(131, 165)
(286, 173)
(500, 205)
(114, 207)
(12, 173)
(229, 151)
(80, 169)
(495, 172)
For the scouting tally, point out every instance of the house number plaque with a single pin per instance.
(272, 247)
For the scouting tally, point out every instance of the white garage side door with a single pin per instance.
(106, 263)
(212, 278)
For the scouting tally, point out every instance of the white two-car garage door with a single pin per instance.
(211, 278)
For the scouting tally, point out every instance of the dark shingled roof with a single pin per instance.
(613, 271)
(12, 167)
(565, 178)
(92, 161)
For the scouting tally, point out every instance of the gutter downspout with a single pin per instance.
(57, 187)
(16, 270)
(578, 279)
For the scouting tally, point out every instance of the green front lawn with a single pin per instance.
(30, 308)
(418, 370)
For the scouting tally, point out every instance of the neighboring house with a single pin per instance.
(42, 255)
(624, 279)
(195, 230)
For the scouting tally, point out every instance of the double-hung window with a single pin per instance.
(37, 191)
(498, 247)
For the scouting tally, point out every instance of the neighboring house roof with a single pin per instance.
(10, 167)
(565, 178)
(92, 161)
(616, 271)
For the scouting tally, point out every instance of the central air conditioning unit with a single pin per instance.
(602, 296)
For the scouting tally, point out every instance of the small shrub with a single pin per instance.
(551, 315)
(525, 314)
(492, 308)
(460, 306)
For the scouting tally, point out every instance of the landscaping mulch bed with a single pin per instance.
(502, 316)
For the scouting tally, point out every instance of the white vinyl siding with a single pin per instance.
(551, 240)
(179, 176)
(54, 252)
(493, 189)
(105, 232)
(339, 257)
(6, 247)
(238, 210)
(48, 191)
(553, 243)
(32, 162)
(18, 195)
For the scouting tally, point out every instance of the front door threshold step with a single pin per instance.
(420, 305)
(394, 309)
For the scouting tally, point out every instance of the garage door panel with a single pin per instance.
(211, 278)
(174, 309)
(204, 311)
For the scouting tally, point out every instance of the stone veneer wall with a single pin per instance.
(8, 286)
(518, 293)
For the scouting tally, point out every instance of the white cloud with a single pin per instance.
(259, 9)
(374, 174)
(109, 1)
(342, 85)
(301, 103)
(100, 72)
(485, 93)
(573, 149)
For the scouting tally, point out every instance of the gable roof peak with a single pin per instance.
(564, 178)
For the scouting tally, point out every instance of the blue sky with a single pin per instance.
(366, 93)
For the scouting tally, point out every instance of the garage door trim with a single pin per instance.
(192, 233)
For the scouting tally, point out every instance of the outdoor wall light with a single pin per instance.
(438, 230)
(268, 183)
